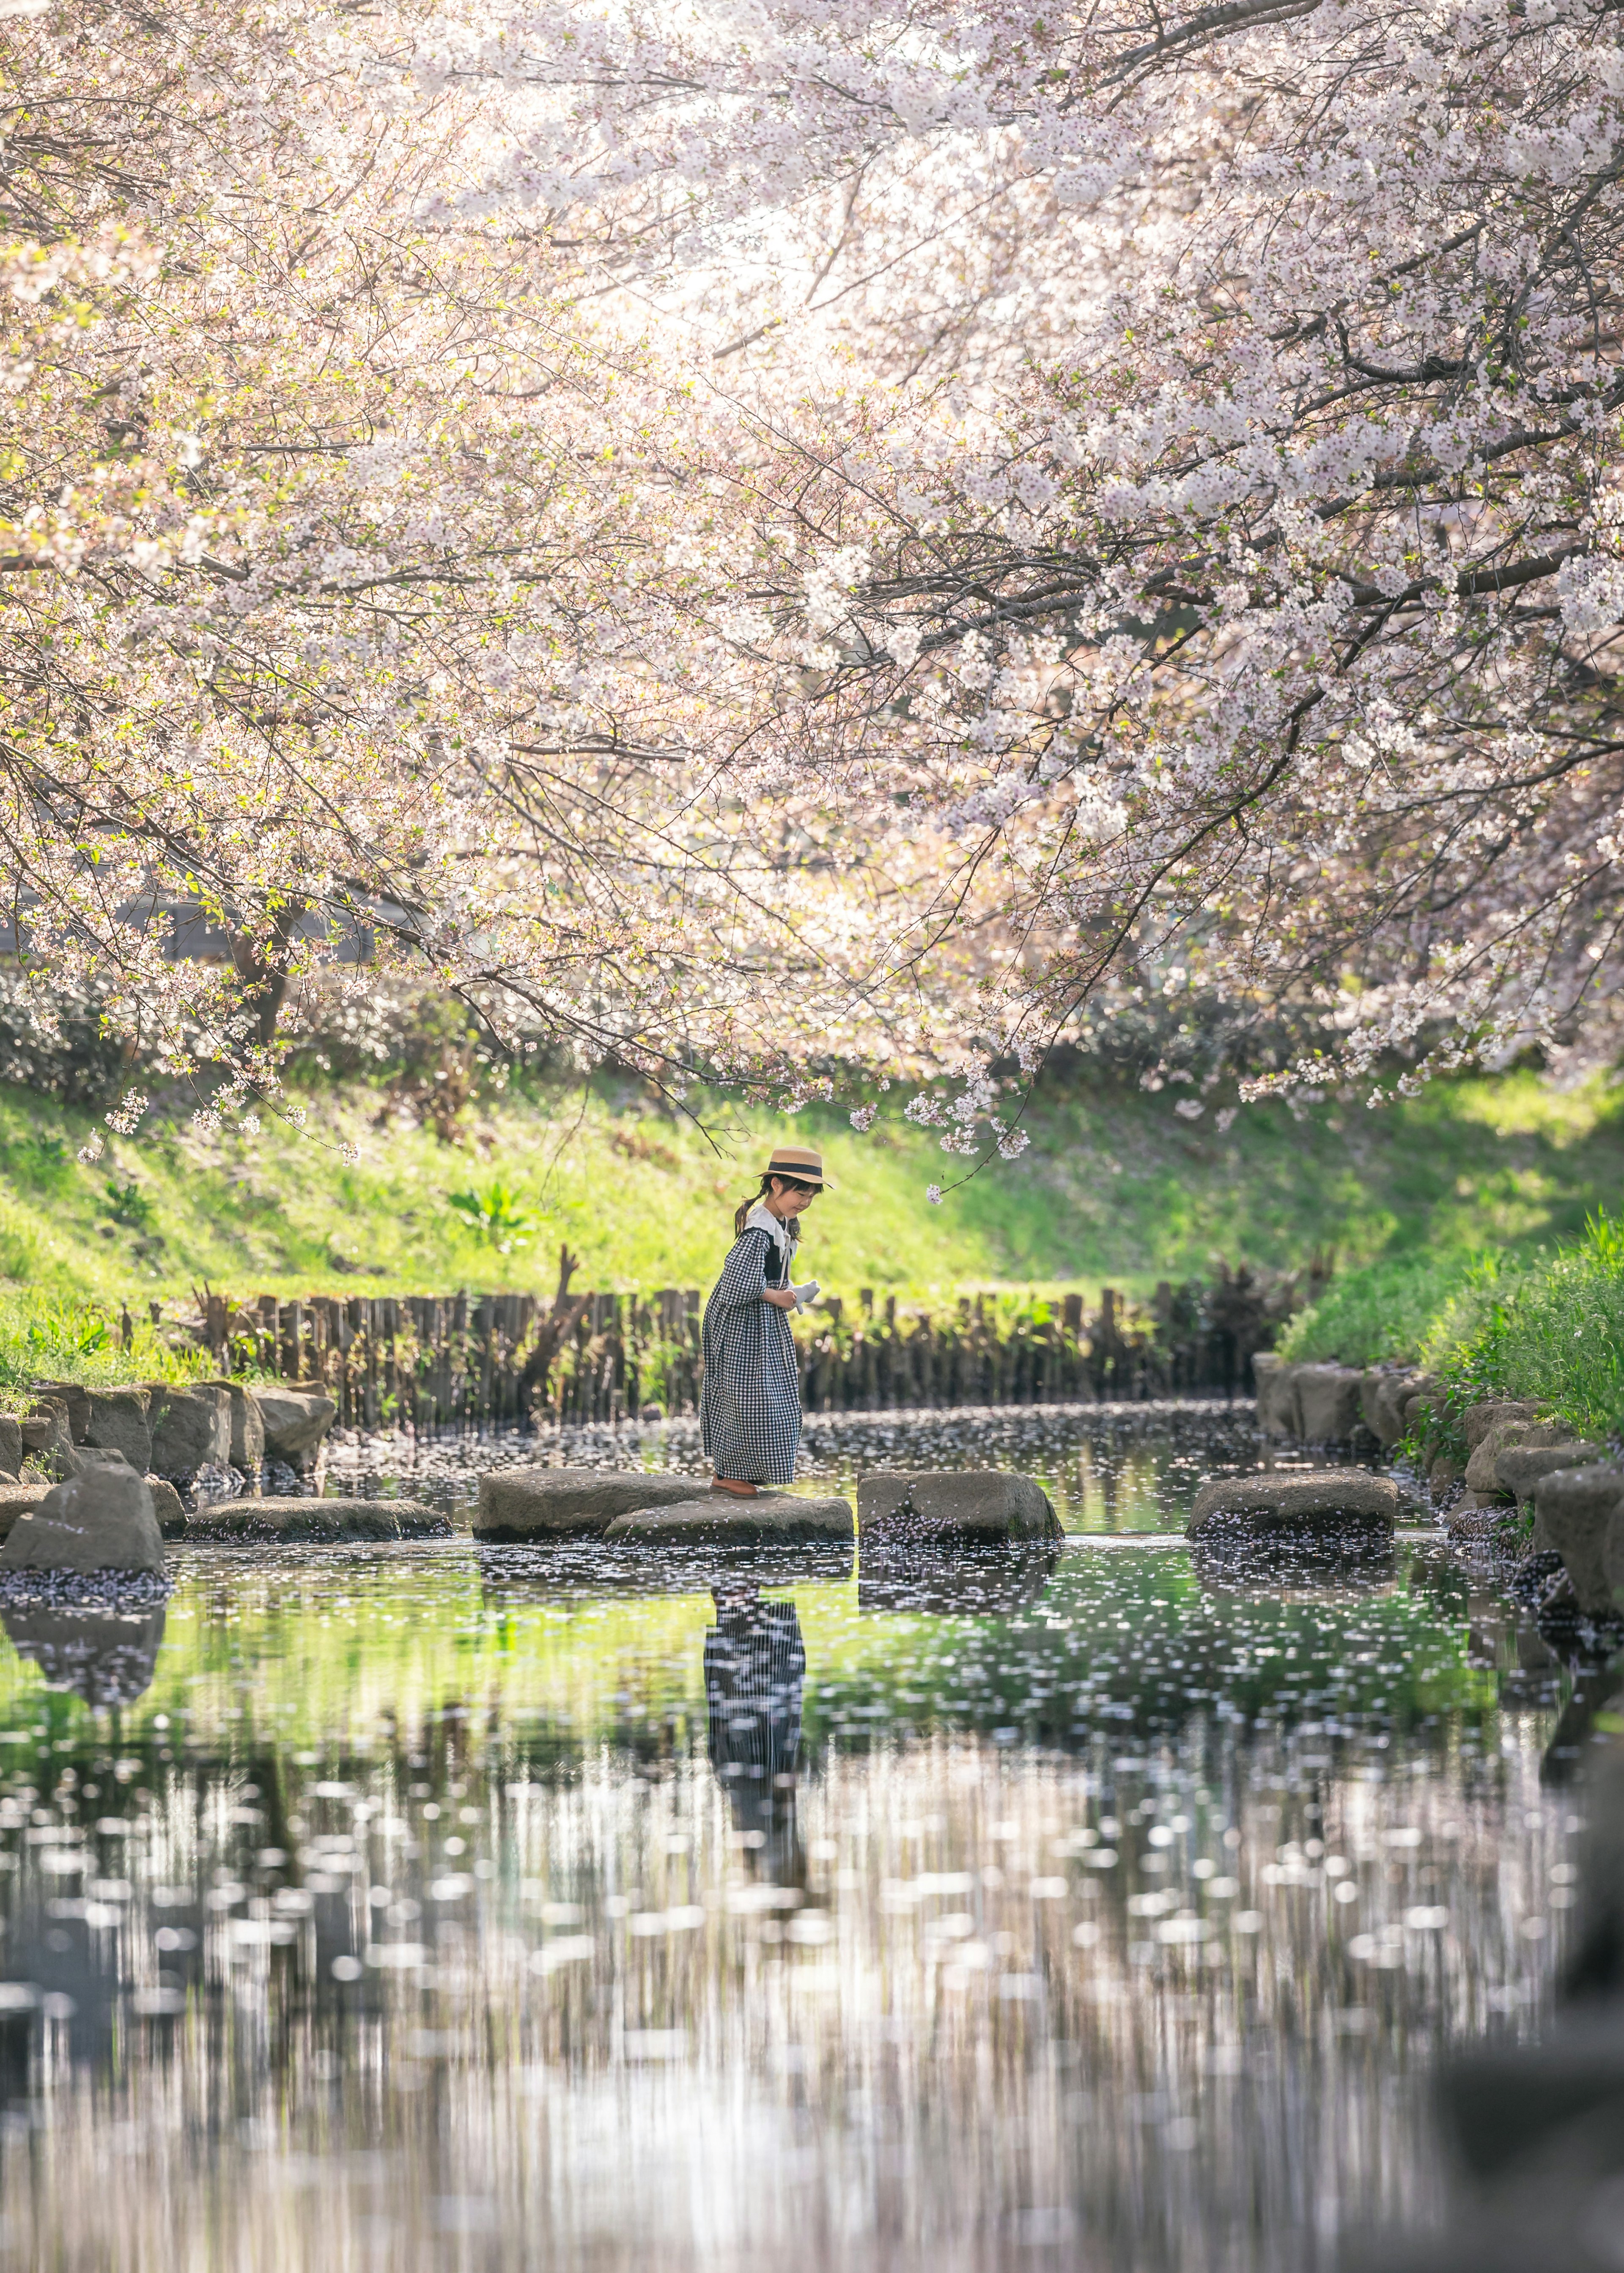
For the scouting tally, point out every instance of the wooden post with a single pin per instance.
(293, 1340)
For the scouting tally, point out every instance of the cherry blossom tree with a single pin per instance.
(327, 594)
(771, 539)
(1178, 515)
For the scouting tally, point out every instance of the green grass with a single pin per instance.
(1552, 1330)
(1547, 1326)
(1116, 1190)
(1384, 1312)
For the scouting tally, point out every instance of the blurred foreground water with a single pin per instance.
(420, 1907)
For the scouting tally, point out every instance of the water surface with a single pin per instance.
(431, 1907)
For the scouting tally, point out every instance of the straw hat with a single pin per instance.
(799, 1162)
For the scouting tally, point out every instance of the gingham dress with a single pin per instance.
(750, 1405)
(755, 1670)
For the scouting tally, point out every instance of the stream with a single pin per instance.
(429, 1906)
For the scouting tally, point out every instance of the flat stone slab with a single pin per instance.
(1331, 1501)
(525, 1507)
(770, 1519)
(971, 1506)
(314, 1522)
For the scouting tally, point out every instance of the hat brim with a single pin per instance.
(794, 1175)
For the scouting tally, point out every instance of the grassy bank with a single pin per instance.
(1115, 1189)
(1548, 1327)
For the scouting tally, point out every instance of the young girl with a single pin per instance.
(750, 1405)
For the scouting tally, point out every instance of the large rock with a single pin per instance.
(48, 1437)
(11, 1445)
(721, 1520)
(191, 1424)
(1519, 1469)
(1329, 1502)
(99, 1519)
(1494, 1411)
(1384, 1392)
(314, 1522)
(75, 1398)
(1328, 1408)
(1502, 1436)
(247, 1449)
(116, 1420)
(1276, 1395)
(1576, 1512)
(167, 1506)
(927, 1506)
(531, 1507)
(294, 1422)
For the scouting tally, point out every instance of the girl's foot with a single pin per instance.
(731, 1484)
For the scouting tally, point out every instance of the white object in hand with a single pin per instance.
(806, 1295)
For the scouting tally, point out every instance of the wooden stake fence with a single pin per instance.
(466, 1360)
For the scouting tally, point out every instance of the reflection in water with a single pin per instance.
(755, 1672)
(430, 1910)
(974, 1581)
(108, 1657)
(587, 1570)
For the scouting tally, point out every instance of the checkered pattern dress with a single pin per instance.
(750, 1404)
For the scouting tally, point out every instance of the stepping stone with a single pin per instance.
(521, 1507)
(1494, 1413)
(19, 1500)
(191, 1427)
(293, 1422)
(966, 1506)
(314, 1522)
(116, 1422)
(167, 1506)
(1324, 1503)
(1329, 1403)
(771, 1519)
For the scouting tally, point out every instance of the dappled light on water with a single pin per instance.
(437, 1907)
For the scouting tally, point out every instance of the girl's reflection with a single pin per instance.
(755, 1673)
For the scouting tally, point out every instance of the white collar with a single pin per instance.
(763, 1219)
